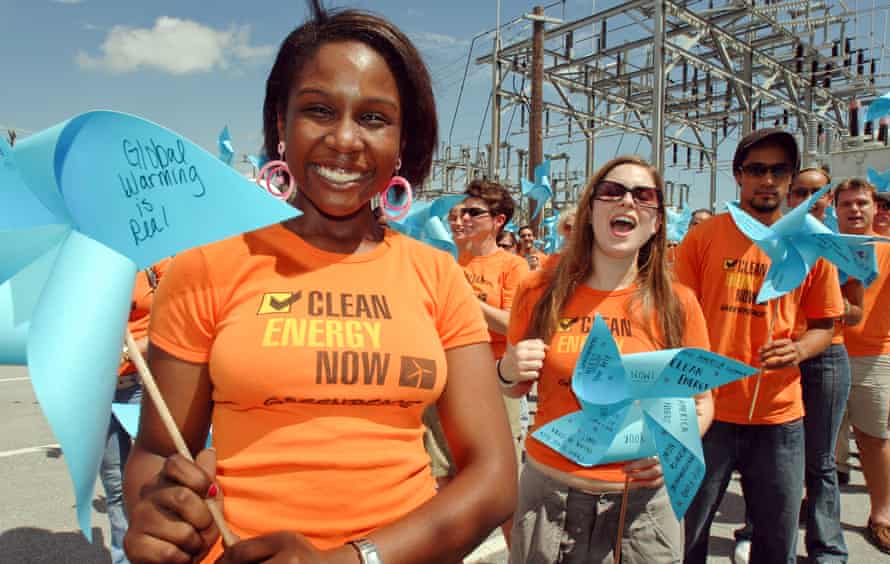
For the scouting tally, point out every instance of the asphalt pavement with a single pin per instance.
(38, 523)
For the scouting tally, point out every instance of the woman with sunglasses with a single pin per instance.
(314, 345)
(507, 241)
(613, 265)
(494, 273)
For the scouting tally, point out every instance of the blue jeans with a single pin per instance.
(770, 459)
(825, 380)
(111, 472)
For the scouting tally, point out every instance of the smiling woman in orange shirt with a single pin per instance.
(314, 346)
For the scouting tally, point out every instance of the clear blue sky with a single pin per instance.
(197, 66)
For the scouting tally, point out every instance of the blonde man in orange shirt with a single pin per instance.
(868, 345)
(726, 270)
(615, 267)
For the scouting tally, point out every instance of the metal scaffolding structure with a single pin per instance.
(685, 76)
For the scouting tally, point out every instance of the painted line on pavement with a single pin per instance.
(43, 448)
(19, 379)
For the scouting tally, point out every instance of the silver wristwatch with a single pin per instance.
(367, 551)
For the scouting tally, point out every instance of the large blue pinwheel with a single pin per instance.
(639, 405)
(539, 190)
(224, 144)
(426, 222)
(83, 206)
(797, 241)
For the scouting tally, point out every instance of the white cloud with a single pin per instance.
(427, 40)
(174, 46)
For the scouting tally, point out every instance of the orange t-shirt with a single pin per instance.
(726, 270)
(555, 396)
(321, 366)
(871, 336)
(140, 306)
(495, 278)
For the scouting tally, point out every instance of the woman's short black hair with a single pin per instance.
(419, 124)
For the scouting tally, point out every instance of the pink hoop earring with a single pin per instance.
(275, 170)
(394, 211)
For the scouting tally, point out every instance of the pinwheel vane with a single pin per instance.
(539, 190)
(425, 222)
(552, 239)
(881, 180)
(678, 223)
(797, 241)
(639, 405)
(83, 206)
(878, 108)
(226, 151)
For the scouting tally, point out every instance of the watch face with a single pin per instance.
(367, 551)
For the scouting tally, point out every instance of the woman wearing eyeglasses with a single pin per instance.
(494, 273)
(508, 242)
(613, 265)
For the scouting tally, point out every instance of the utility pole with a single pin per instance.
(494, 161)
(535, 133)
(658, 89)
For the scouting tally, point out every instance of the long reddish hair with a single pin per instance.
(654, 295)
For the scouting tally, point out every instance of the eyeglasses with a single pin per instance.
(474, 212)
(505, 245)
(883, 205)
(802, 193)
(611, 191)
(759, 170)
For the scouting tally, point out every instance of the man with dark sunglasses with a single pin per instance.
(764, 443)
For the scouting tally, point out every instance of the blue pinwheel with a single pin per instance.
(426, 222)
(226, 151)
(83, 206)
(539, 190)
(797, 241)
(878, 108)
(678, 223)
(639, 405)
(881, 180)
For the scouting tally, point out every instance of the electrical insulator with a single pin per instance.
(854, 118)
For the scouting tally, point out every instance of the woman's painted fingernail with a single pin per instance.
(212, 491)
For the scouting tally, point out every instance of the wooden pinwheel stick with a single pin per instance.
(621, 517)
(772, 324)
(157, 399)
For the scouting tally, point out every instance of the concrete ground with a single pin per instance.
(38, 524)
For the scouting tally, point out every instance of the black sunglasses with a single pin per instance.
(883, 205)
(611, 191)
(474, 212)
(759, 170)
(506, 245)
(804, 192)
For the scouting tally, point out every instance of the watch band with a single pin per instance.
(367, 551)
